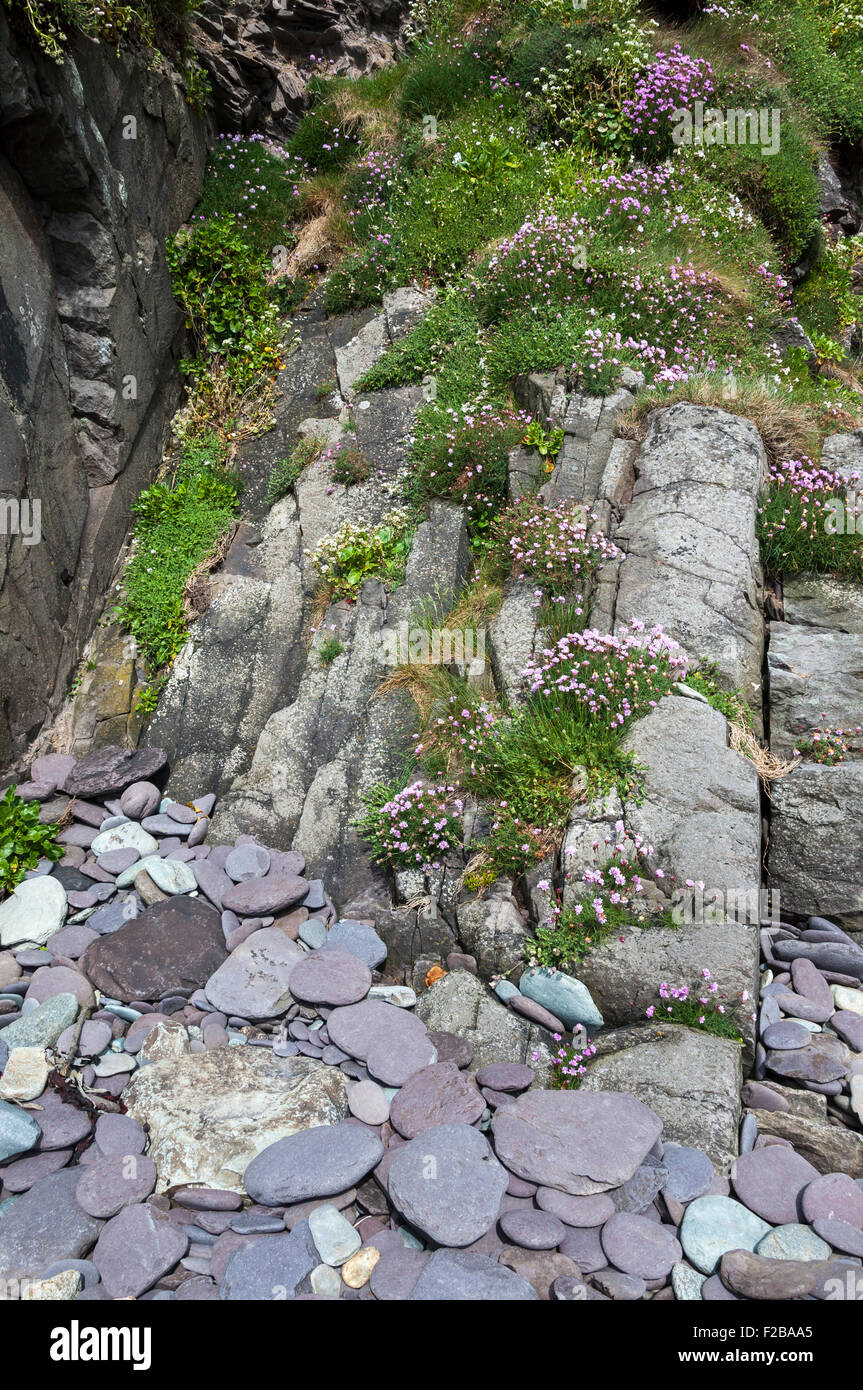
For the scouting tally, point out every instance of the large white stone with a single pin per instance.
(210, 1113)
(36, 909)
(129, 835)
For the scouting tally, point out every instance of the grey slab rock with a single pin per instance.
(448, 1184)
(462, 1275)
(359, 940)
(459, 1003)
(44, 1225)
(316, 1162)
(272, 1267)
(135, 1248)
(254, 981)
(691, 1080)
(492, 930)
(816, 844)
(701, 808)
(816, 681)
(19, 1130)
(688, 535)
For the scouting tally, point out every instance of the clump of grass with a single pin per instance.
(329, 649)
(179, 523)
(286, 472)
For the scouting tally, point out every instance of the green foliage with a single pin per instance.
(349, 465)
(178, 523)
(237, 165)
(826, 302)
(286, 472)
(23, 840)
(357, 552)
(439, 82)
(220, 282)
(53, 22)
(329, 649)
(321, 140)
(780, 188)
(729, 702)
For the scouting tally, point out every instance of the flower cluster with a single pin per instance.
(553, 546)
(544, 262)
(807, 520)
(702, 1006)
(468, 460)
(673, 81)
(416, 828)
(613, 677)
(357, 552)
(568, 1063)
(825, 745)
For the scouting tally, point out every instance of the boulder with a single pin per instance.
(174, 944)
(459, 1003)
(210, 1113)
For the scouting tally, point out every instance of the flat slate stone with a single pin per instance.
(575, 1211)
(712, 1226)
(436, 1095)
(19, 1130)
(689, 1172)
(119, 1134)
(785, 1035)
(770, 1182)
(448, 1184)
(110, 918)
(109, 770)
(849, 1027)
(41, 1027)
(392, 1042)
(833, 1197)
(793, 1242)
(258, 896)
(577, 1141)
(584, 1245)
(172, 876)
(563, 996)
(532, 1230)
(317, 1162)
(114, 1182)
(247, 861)
(212, 880)
(33, 912)
(272, 1267)
(465, 1276)
(368, 1101)
(135, 1248)
(359, 939)
(840, 1235)
(62, 1123)
(21, 1175)
(509, 1077)
(636, 1245)
(395, 1275)
(173, 944)
(254, 981)
(331, 977)
(127, 836)
(45, 1225)
(334, 1236)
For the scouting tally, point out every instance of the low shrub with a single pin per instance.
(23, 839)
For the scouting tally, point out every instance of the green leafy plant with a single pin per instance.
(349, 465)
(547, 443)
(286, 472)
(329, 649)
(357, 552)
(23, 839)
(701, 1006)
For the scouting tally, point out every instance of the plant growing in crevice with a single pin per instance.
(412, 827)
(357, 552)
(24, 840)
(701, 1006)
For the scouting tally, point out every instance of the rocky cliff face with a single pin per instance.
(260, 57)
(100, 158)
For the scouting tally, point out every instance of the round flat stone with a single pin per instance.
(689, 1171)
(357, 1271)
(368, 1101)
(19, 1130)
(44, 1225)
(114, 861)
(532, 1230)
(172, 876)
(510, 1077)
(119, 1134)
(313, 933)
(636, 1245)
(180, 813)
(583, 1245)
(50, 981)
(840, 1235)
(317, 1162)
(848, 1025)
(436, 1095)
(331, 977)
(770, 1182)
(111, 1183)
(129, 835)
(834, 1197)
(809, 981)
(577, 1141)
(282, 1263)
(63, 1124)
(333, 1234)
(447, 1184)
(392, 1042)
(359, 939)
(140, 799)
(95, 1036)
(246, 862)
(785, 1035)
(177, 943)
(712, 1226)
(42, 1026)
(395, 1275)
(21, 1175)
(253, 982)
(575, 1211)
(793, 1242)
(258, 896)
(467, 1276)
(810, 1063)
(135, 1248)
(33, 912)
